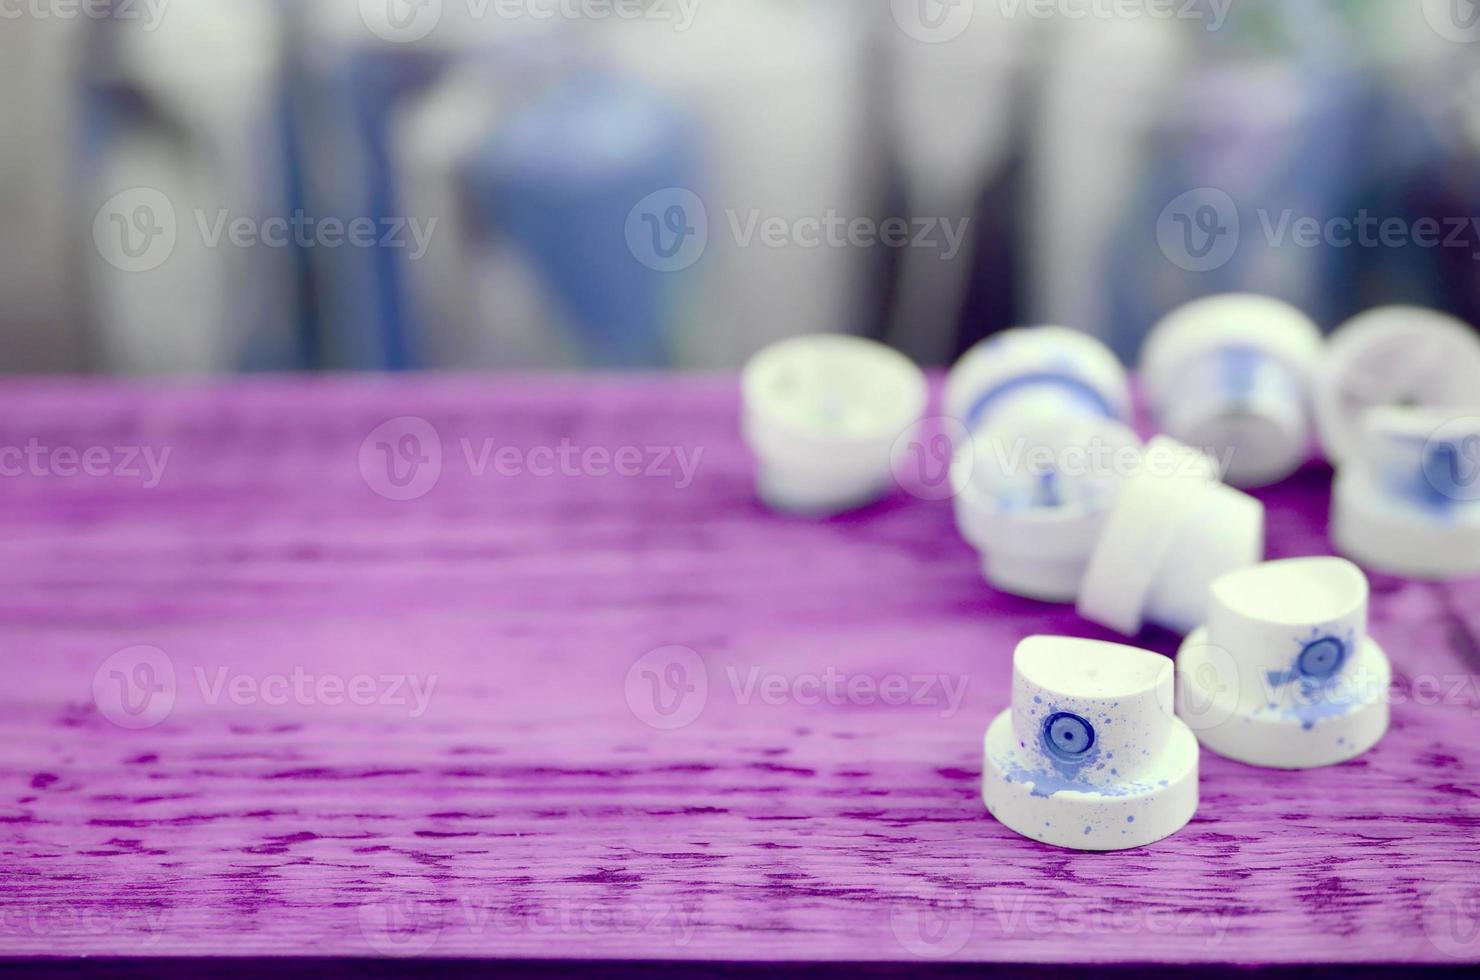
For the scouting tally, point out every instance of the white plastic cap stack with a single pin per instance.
(822, 414)
(1393, 356)
(1230, 374)
(1398, 398)
(1090, 756)
(1066, 367)
(1046, 410)
(1284, 674)
(1036, 499)
(1407, 502)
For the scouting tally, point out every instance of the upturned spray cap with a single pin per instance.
(1230, 374)
(822, 414)
(1172, 531)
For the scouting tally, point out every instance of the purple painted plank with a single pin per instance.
(488, 773)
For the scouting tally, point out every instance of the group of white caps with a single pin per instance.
(1065, 503)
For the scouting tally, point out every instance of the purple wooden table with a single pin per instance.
(578, 695)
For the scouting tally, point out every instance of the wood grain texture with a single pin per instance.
(532, 810)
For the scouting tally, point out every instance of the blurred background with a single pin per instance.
(207, 186)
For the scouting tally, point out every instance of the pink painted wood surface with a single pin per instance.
(532, 810)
